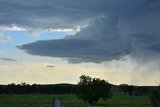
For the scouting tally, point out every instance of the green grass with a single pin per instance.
(115, 101)
(128, 101)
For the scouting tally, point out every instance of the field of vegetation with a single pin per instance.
(71, 101)
(88, 92)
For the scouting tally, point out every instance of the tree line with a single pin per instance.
(25, 88)
(134, 90)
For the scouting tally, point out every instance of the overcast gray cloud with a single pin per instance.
(115, 28)
(35, 15)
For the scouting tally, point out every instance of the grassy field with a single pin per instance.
(46, 101)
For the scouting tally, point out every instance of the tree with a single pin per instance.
(155, 97)
(91, 90)
(141, 91)
(130, 89)
(125, 88)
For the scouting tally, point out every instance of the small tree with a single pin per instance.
(91, 90)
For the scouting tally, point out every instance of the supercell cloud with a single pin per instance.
(113, 28)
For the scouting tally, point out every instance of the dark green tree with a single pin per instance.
(141, 91)
(130, 89)
(124, 88)
(91, 90)
(155, 97)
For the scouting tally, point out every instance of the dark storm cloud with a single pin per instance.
(7, 59)
(90, 45)
(154, 47)
(40, 14)
(115, 28)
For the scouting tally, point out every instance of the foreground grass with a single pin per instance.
(115, 101)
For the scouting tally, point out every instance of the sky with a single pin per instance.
(57, 41)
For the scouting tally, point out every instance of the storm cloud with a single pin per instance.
(113, 28)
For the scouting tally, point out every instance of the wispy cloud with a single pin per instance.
(7, 59)
(5, 39)
(50, 66)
